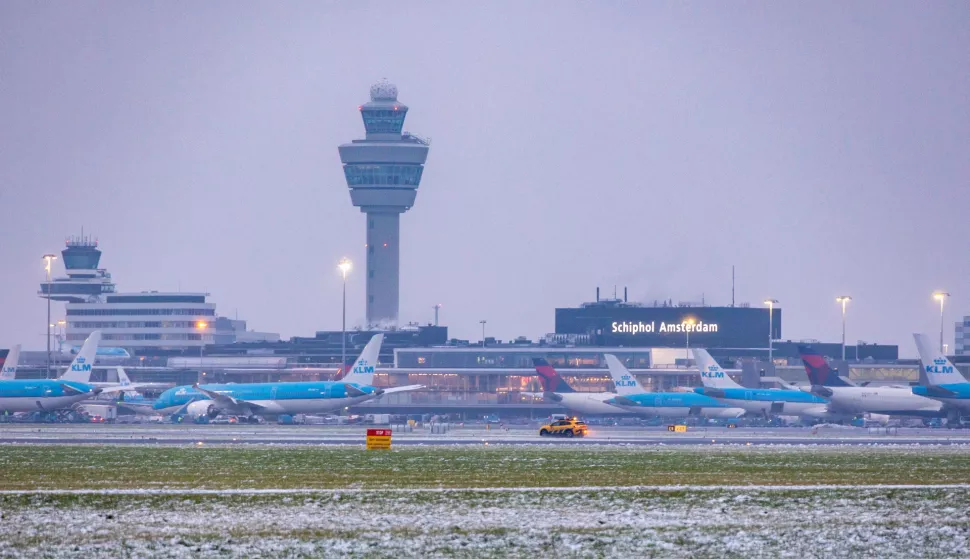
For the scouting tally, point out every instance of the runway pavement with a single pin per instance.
(271, 434)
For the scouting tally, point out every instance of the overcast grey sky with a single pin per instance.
(823, 148)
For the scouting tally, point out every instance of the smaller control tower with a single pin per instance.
(383, 172)
(85, 282)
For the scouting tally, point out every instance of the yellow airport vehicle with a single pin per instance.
(569, 427)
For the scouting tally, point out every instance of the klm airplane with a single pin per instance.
(944, 381)
(717, 384)
(48, 395)
(276, 398)
(632, 398)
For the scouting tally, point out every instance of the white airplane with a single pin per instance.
(877, 400)
(632, 397)
(8, 367)
(555, 389)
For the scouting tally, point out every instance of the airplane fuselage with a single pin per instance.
(269, 398)
(586, 403)
(772, 401)
(951, 395)
(42, 395)
(882, 400)
(676, 404)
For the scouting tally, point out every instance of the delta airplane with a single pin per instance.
(556, 390)
(944, 381)
(276, 398)
(48, 395)
(8, 365)
(881, 400)
(664, 404)
(718, 385)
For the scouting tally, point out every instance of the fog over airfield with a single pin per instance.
(823, 149)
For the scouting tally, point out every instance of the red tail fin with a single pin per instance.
(550, 379)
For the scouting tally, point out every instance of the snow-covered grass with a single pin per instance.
(802, 502)
(110, 466)
(740, 522)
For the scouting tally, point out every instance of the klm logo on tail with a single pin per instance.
(363, 368)
(81, 365)
(626, 381)
(713, 371)
(939, 367)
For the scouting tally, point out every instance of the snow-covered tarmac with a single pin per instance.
(467, 435)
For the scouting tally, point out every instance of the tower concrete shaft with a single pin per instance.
(383, 172)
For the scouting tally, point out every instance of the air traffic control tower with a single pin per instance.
(383, 172)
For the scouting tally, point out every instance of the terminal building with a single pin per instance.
(961, 337)
(143, 323)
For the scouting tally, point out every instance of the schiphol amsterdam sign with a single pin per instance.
(634, 328)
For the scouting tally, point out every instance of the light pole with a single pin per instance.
(688, 326)
(201, 326)
(344, 266)
(771, 329)
(844, 299)
(941, 297)
(436, 307)
(482, 322)
(48, 258)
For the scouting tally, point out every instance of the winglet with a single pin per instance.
(362, 372)
(939, 370)
(712, 375)
(623, 379)
(80, 369)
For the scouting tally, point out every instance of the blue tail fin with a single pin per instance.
(819, 372)
(550, 379)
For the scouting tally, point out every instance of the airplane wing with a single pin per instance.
(140, 409)
(228, 402)
(407, 388)
(126, 388)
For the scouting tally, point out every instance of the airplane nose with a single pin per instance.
(97, 390)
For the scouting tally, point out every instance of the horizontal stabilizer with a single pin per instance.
(71, 391)
(823, 391)
(408, 388)
(354, 392)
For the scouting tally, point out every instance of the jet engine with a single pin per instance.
(201, 408)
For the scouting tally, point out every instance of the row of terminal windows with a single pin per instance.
(147, 324)
(140, 312)
(518, 360)
(142, 337)
(383, 174)
(384, 122)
